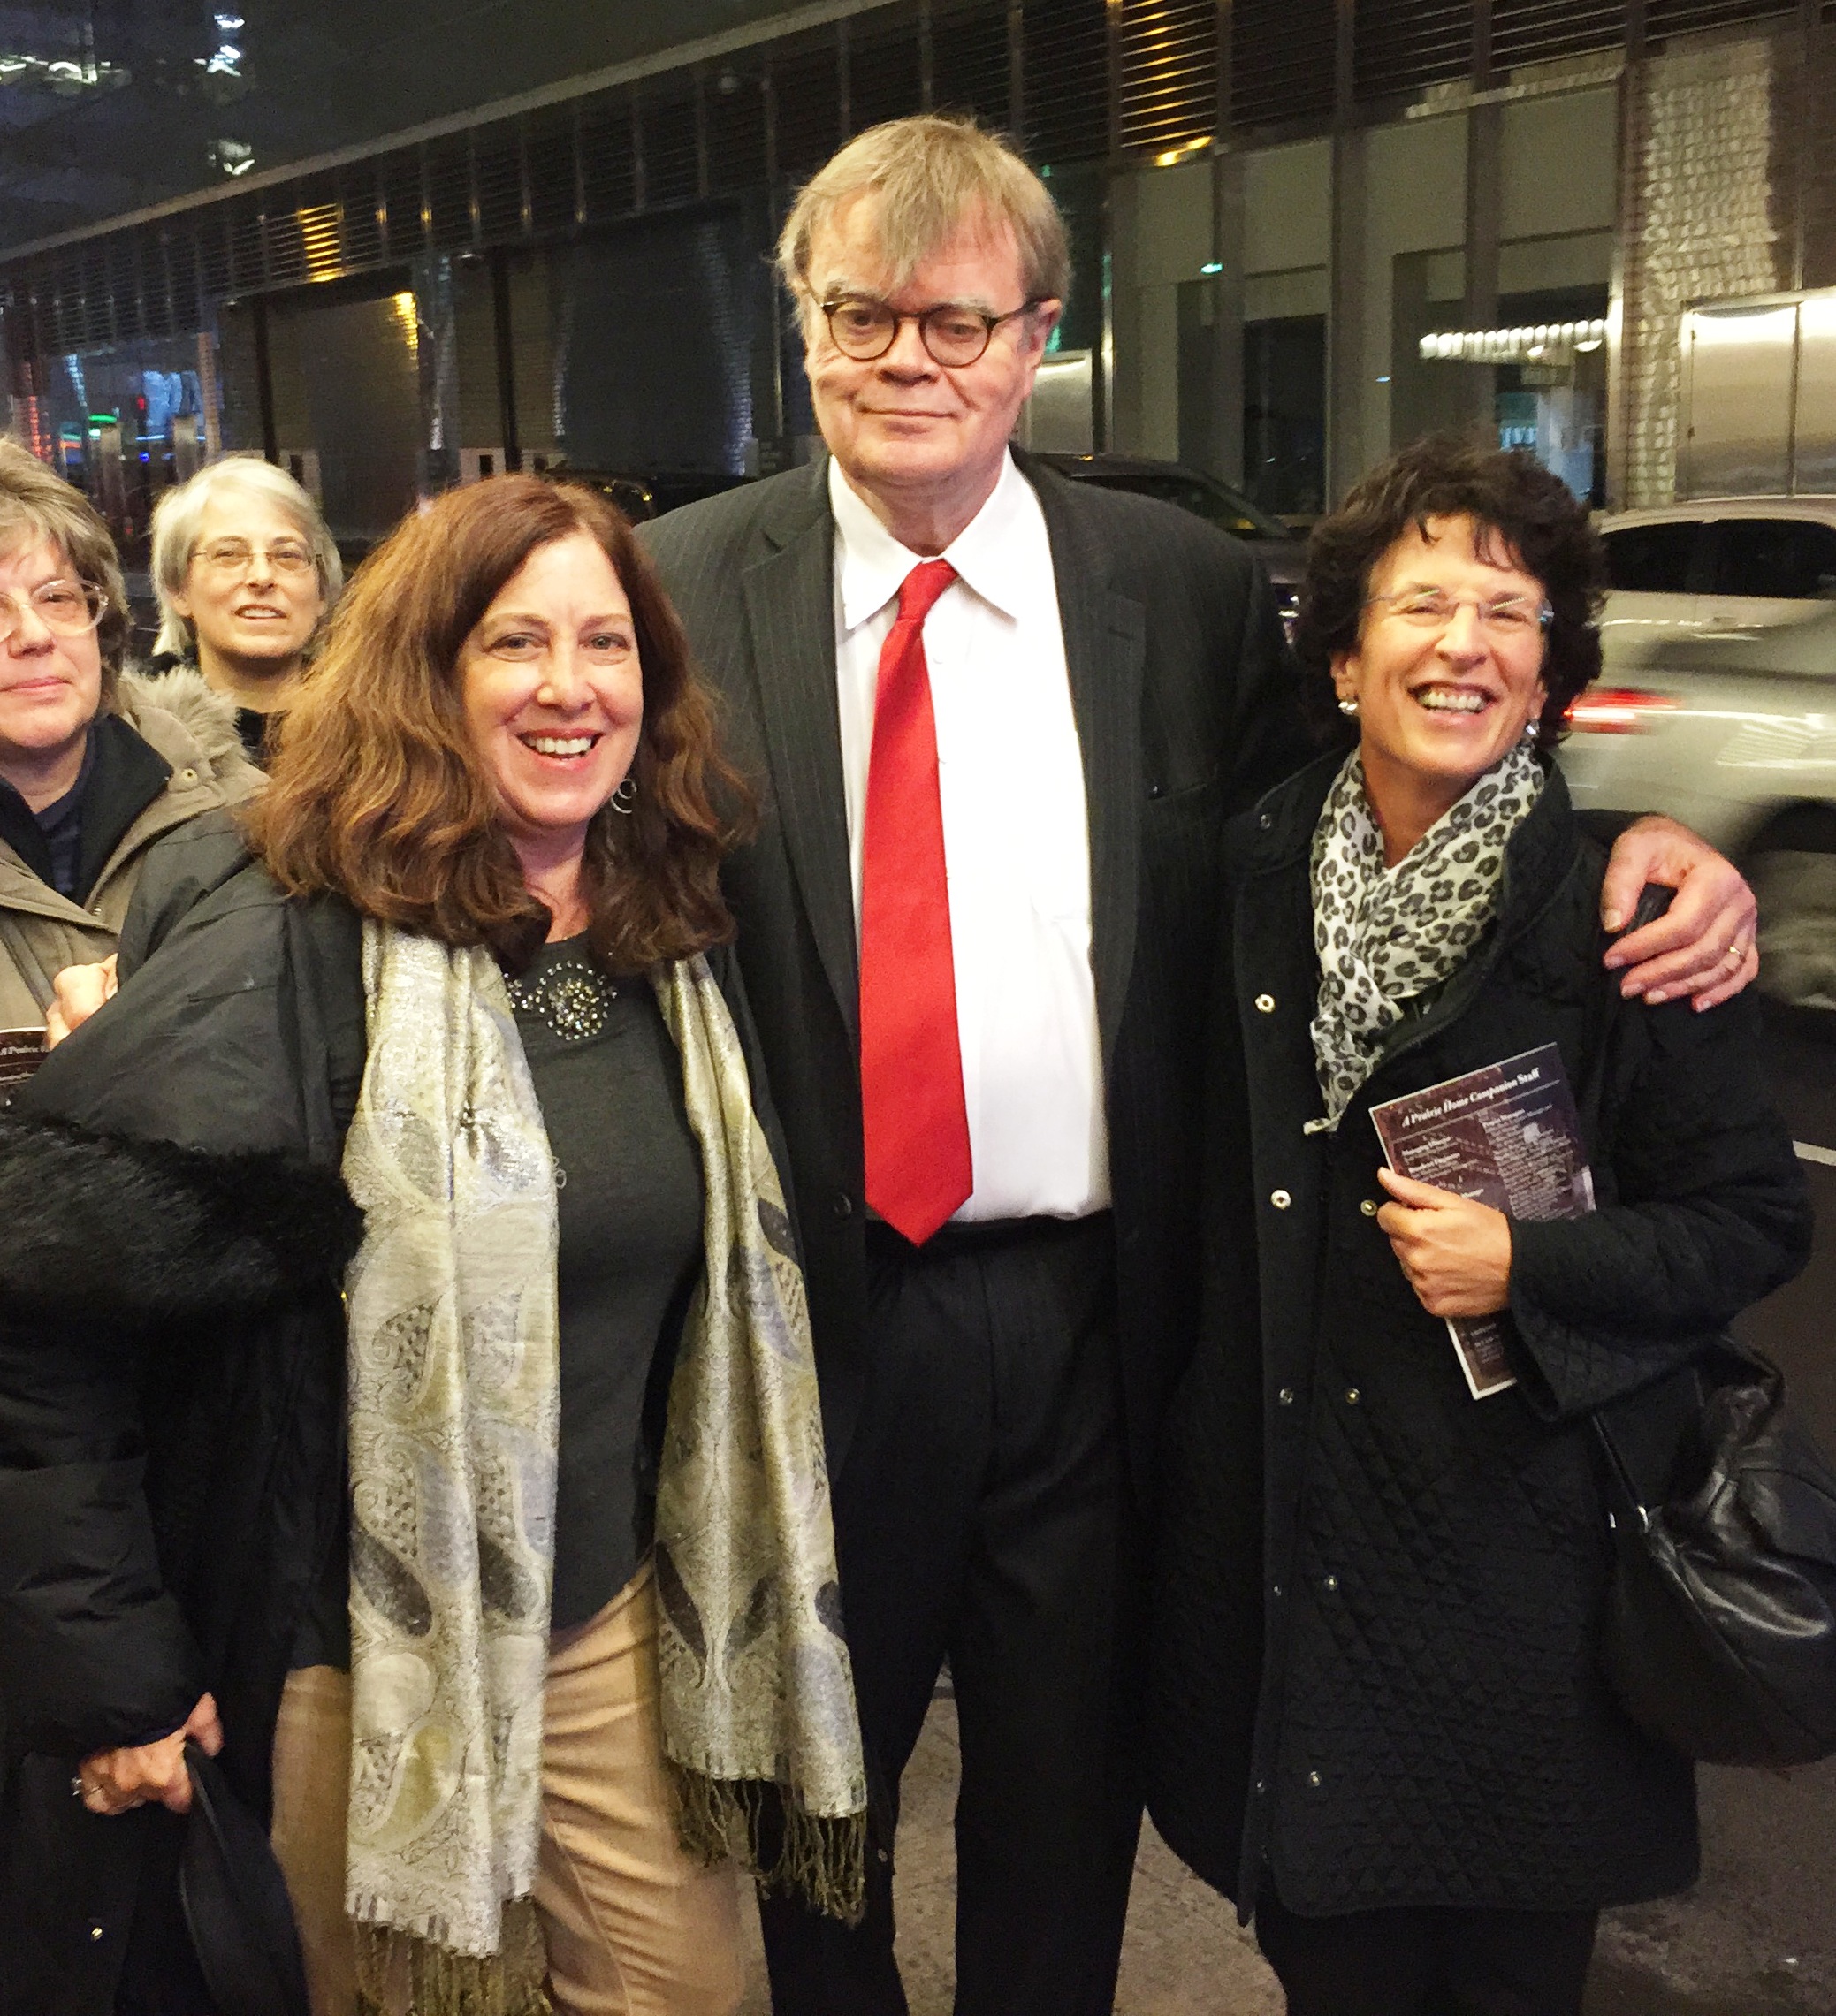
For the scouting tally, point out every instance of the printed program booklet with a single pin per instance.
(1509, 1135)
(21, 1052)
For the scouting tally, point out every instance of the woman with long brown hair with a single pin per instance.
(439, 1069)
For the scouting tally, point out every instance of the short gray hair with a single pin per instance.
(180, 511)
(932, 175)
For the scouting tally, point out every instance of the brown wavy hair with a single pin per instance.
(377, 791)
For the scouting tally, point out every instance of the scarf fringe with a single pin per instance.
(824, 1861)
(399, 1975)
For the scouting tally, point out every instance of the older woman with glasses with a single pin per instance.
(245, 571)
(96, 764)
(1379, 1721)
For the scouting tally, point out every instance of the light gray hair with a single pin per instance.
(933, 176)
(180, 511)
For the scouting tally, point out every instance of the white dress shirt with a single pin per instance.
(1016, 838)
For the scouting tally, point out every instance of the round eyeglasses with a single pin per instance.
(864, 327)
(1509, 616)
(66, 609)
(288, 558)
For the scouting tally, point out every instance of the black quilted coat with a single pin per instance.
(1375, 1677)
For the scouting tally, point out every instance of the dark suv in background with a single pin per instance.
(1280, 550)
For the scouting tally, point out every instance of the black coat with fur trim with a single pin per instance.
(172, 1394)
(172, 1380)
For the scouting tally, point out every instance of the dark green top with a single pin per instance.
(629, 1190)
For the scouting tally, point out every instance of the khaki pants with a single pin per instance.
(633, 1927)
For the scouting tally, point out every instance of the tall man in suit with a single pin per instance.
(998, 720)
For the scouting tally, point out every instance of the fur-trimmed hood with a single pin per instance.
(180, 716)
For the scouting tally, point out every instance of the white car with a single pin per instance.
(1733, 730)
(1719, 563)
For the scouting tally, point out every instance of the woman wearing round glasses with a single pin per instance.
(1378, 1721)
(245, 571)
(96, 764)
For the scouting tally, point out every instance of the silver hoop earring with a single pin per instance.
(625, 796)
(1348, 706)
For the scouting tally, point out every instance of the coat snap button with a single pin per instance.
(1312, 1778)
(1353, 1396)
(1261, 1786)
(1265, 1004)
(1265, 822)
(1286, 1396)
(843, 1206)
(95, 1932)
(1369, 1207)
(1280, 1199)
(1332, 1582)
(187, 777)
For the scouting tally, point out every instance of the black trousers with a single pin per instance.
(983, 1514)
(1428, 1962)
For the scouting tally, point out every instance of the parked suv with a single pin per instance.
(1280, 550)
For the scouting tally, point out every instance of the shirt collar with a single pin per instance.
(870, 564)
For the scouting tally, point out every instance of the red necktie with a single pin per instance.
(912, 1111)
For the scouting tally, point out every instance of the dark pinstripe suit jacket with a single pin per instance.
(1185, 712)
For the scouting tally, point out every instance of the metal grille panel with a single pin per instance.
(496, 169)
(968, 64)
(735, 102)
(1664, 17)
(1066, 80)
(885, 77)
(548, 150)
(808, 90)
(670, 157)
(1280, 61)
(449, 191)
(1402, 46)
(1168, 59)
(608, 166)
(1541, 31)
(399, 177)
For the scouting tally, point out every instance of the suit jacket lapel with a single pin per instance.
(1105, 643)
(790, 610)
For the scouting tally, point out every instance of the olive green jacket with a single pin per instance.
(194, 731)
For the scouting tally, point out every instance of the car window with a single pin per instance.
(1651, 559)
(1785, 560)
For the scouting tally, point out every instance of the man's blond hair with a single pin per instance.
(933, 176)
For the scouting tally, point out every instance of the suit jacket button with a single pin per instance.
(1280, 1199)
(1265, 1004)
(843, 1206)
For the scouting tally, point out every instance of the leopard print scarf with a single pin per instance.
(1384, 936)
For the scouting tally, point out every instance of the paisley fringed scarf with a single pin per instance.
(453, 1412)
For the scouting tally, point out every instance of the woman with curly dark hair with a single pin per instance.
(1378, 1720)
(440, 1446)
